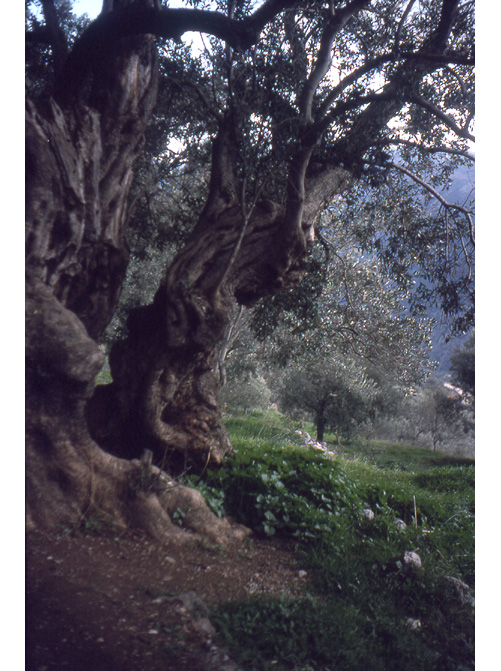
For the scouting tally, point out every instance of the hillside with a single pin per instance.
(358, 561)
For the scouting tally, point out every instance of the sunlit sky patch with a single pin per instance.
(93, 7)
(90, 7)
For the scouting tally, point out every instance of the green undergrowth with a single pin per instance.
(103, 377)
(363, 610)
(398, 456)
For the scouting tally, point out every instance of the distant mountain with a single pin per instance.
(442, 350)
(462, 189)
(461, 192)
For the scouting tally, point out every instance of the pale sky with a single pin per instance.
(93, 7)
(90, 7)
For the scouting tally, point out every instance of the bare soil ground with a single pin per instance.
(110, 602)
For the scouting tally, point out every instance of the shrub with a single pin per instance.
(284, 490)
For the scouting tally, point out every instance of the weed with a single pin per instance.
(178, 516)
(357, 615)
(104, 377)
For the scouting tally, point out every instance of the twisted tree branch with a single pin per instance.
(324, 56)
(439, 197)
(137, 19)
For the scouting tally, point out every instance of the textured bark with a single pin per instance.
(79, 170)
(78, 173)
(80, 155)
(165, 373)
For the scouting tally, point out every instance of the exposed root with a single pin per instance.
(92, 484)
(148, 514)
(198, 517)
(163, 500)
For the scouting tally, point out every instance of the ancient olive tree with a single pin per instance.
(300, 98)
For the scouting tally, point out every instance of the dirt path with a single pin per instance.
(110, 603)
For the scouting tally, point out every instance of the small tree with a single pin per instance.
(435, 414)
(246, 392)
(334, 393)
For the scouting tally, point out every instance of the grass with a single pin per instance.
(362, 600)
(104, 377)
(398, 456)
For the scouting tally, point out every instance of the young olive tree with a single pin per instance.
(298, 100)
(335, 394)
(346, 363)
(439, 419)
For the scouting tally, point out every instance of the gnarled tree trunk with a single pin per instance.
(80, 155)
(78, 174)
(84, 445)
(166, 384)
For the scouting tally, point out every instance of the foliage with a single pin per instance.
(436, 415)
(357, 614)
(262, 92)
(349, 307)
(308, 634)
(356, 356)
(334, 392)
(410, 236)
(279, 490)
(104, 377)
(39, 62)
(246, 392)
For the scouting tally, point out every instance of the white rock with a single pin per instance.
(462, 590)
(413, 623)
(411, 559)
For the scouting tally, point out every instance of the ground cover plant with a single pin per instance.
(352, 521)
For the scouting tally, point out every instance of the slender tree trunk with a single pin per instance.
(320, 423)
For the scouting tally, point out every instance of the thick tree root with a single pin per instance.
(92, 484)
(159, 500)
(69, 477)
(154, 514)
